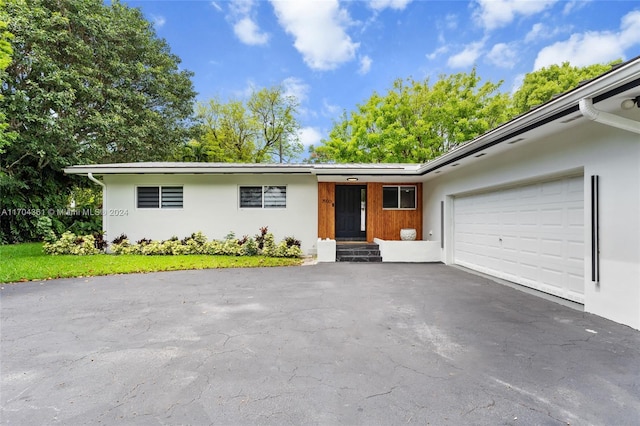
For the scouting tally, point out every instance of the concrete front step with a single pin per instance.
(358, 253)
(367, 258)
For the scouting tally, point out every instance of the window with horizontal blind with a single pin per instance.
(263, 197)
(399, 197)
(171, 197)
(154, 197)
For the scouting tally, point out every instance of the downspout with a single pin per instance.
(104, 201)
(588, 111)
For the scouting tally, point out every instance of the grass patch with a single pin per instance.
(27, 262)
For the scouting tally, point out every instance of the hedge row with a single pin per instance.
(197, 243)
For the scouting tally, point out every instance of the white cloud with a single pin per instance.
(574, 5)
(492, 14)
(365, 65)
(246, 92)
(439, 51)
(295, 87)
(241, 7)
(503, 55)
(329, 110)
(318, 29)
(467, 57)
(391, 4)
(540, 31)
(309, 136)
(517, 83)
(451, 21)
(217, 6)
(158, 21)
(249, 33)
(593, 46)
(537, 31)
(241, 14)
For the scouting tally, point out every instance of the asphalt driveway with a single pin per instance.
(324, 344)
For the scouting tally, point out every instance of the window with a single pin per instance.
(263, 197)
(398, 197)
(154, 197)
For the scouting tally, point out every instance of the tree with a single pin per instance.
(415, 121)
(540, 86)
(273, 112)
(89, 83)
(227, 132)
(6, 52)
(262, 129)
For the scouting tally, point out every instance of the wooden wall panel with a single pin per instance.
(386, 224)
(326, 210)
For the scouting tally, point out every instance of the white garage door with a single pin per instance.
(532, 235)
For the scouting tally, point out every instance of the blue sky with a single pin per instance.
(332, 55)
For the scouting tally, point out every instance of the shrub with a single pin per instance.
(44, 229)
(120, 239)
(121, 247)
(250, 247)
(268, 245)
(230, 247)
(70, 243)
(100, 242)
(196, 243)
(291, 241)
(260, 237)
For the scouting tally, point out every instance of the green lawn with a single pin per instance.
(27, 262)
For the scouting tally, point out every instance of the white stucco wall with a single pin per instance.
(211, 205)
(595, 149)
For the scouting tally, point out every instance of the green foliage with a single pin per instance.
(250, 247)
(292, 241)
(6, 52)
(70, 243)
(44, 228)
(415, 121)
(262, 129)
(89, 83)
(26, 262)
(197, 243)
(540, 86)
(269, 245)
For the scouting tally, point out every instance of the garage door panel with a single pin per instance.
(575, 217)
(551, 249)
(528, 217)
(575, 251)
(552, 218)
(532, 235)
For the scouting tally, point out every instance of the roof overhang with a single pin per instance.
(324, 172)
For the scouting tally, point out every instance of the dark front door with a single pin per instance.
(350, 212)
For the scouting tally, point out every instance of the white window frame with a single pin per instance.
(160, 198)
(398, 204)
(262, 198)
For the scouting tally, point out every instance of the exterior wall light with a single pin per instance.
(352, 179)
(630, 103)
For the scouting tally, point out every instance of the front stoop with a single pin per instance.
(360, 252)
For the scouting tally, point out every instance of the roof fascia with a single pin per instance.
(105, 170)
